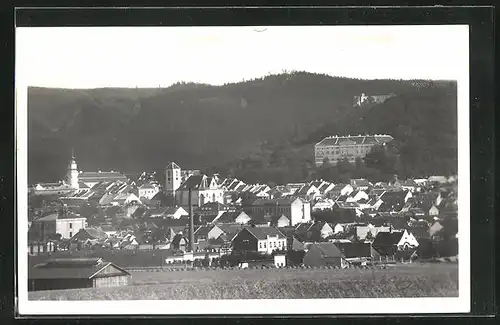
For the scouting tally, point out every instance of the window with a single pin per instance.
(260, 245)
(264, 244)
(70, 225)
(70, 234)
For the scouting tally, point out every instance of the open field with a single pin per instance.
(414, 280)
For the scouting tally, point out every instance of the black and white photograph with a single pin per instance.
(243, 169)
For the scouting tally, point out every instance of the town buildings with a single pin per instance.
(335, 148)
(56, 223)
(259, 239)
(296, 209)
(203, 190)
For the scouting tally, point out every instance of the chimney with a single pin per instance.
(191, 222)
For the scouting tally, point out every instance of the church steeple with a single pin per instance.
(72, 176)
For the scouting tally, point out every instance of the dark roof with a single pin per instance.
(195, 182)
(202, 231)
(209, 218)
(387, 238)
(73, 268)
(288, 230)
(93, 233)
(174, 222)
(262, 232)
(327, 249)
(230, 229)
(352, 250)
(360, 182)
(280, 201)
(177, 239)
(229, 217)
(393, 200)
(101, 176)
(172, 165)
(355, 140)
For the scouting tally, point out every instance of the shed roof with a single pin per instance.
(74, 268)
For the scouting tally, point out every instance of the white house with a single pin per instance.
(433, 211)
(308, 191)
(280, 260)
(325, 187)
(341, 227)
(323, 204)
(360, 184)
(148, 190)
(260, 239)
(282, 221)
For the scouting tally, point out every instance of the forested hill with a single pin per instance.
(422, 120)
(196, 125)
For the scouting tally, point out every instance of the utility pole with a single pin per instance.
(191, 222)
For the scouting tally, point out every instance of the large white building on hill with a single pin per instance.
(336, 147)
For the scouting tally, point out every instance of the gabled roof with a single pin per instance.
(229, 217)
(172, 165)
(353, 250)
(230, 229)
(318, 225)
(107, 228)
(74, 268)
(360, 182)
(347, 205)
(214, 206)
(82, 185)
(355, 140)
(304, 189)
(409, 182)
(173, 210)
(196, 182)
(338, 187)
(94, 233)
(387, 238)
(280, 201)
(261, 233)
(327, 250)
(101, 176)
(148, 186)
(202, 231)
(393, 200)
(177, 239)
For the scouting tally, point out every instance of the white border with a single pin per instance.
(283, 306)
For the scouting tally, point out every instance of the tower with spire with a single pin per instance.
(72, 176)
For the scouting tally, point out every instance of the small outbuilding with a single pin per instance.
(76, 273)
(324, 254)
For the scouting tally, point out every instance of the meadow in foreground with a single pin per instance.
(418, 280)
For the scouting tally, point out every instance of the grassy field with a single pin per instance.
(415, 280)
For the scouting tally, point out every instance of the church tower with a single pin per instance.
(172, 178)
(72, 176)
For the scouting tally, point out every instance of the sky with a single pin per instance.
(94, 57)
